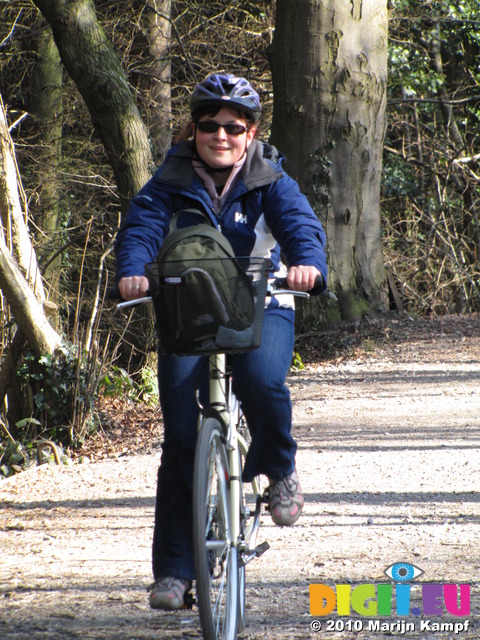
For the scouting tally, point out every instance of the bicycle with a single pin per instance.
(226, 518)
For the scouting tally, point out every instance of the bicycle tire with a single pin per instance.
(241, 565)
(216, 557)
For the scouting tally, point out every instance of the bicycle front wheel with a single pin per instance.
(216, 556)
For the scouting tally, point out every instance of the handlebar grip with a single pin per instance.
(113, 293)
(281, 283)
(319, 283)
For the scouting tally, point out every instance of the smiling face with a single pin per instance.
(220, 149)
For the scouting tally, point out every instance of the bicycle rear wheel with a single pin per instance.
(216, 557)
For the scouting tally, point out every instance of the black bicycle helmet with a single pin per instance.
(226, 90)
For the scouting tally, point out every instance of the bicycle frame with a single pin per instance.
(223, 400)
(227, 408)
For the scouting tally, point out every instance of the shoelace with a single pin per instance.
(168, 583)
(282, 490)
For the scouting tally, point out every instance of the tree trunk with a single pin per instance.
(13, 228)
(159, 71)
(95, 68)
(26, 308)
(46, 103)
(329, 68)
(433, 44)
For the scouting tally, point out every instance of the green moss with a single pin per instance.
(332, 315)
(352, 306)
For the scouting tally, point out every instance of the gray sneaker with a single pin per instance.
(285, 499)
(168, 593)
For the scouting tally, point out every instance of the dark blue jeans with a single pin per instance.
(259, 382)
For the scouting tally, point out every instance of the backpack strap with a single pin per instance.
(203, 229)
(173, 226)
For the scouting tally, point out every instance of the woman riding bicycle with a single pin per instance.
(238, 181)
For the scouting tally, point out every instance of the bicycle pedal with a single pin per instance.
(265, 499)
(188, 601)
(261, 548)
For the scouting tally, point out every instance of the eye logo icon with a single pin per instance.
(403, 572)
(380, 599)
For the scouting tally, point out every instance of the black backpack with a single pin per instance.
(204, 297)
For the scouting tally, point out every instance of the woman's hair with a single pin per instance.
(185, 133)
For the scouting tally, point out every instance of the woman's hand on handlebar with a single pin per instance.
(133, 287)
(302, 277)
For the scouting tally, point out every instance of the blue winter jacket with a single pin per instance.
(264, 214)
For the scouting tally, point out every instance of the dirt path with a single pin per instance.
(390, 464)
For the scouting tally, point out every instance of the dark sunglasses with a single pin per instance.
(210, 126)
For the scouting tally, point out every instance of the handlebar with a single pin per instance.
(277, 287)
(113, 293)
